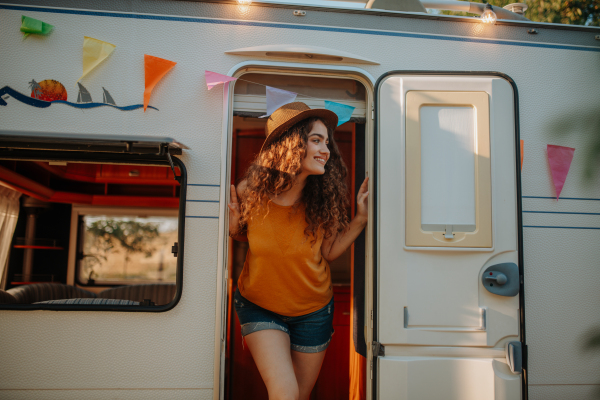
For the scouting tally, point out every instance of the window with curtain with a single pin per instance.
(9, 212)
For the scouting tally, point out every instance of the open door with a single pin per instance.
(449, 267)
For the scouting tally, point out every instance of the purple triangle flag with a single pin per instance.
(277, 98)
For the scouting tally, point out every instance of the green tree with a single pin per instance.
(573, 12)
(132, 236)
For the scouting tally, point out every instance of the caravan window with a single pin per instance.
(98, 227)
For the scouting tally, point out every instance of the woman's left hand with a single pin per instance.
(362, 201)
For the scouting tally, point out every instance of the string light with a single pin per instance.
(488, 16)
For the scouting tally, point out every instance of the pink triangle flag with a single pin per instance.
(559, 158)
(213, 79)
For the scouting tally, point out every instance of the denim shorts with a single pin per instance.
(310, 333)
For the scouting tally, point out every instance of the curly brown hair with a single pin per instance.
(275, 169)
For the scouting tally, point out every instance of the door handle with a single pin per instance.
(498, 277)
(502, 279)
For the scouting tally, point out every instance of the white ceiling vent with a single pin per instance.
(302, 53)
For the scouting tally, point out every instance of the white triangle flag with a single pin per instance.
(276, 98)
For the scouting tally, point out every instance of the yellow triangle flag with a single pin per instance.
(94, 52)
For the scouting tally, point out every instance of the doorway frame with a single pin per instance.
(295, 69)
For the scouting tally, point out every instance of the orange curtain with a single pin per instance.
(358, 363)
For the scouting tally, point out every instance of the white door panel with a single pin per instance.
(418, 378)
(432, 295)
(430, 290)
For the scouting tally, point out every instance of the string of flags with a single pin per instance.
(95, 51)
(278, 97)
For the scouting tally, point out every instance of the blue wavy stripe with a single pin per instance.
(44, 104)
(94, 105)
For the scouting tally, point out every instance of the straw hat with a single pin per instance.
(289, 114)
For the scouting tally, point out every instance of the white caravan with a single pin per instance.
(471, 282)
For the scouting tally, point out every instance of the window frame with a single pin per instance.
(110, 158)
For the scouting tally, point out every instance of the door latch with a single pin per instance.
(514, 357)
(378, 349)
(502, 279)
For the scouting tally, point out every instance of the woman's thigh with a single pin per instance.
(307, 367)
(270, 349)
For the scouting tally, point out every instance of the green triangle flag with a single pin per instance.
(31, 25)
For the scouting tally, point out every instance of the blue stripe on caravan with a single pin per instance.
(560, 227)
(561, 212)
(562, 198)
(200, 216)
(203, 184)
(301, 27)
(204, 201)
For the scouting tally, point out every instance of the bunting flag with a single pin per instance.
(522, 154)
(559, 158)
(155, 68)
(94, 52)
(343, 111)
(213, 79)
(276, 98)
(31, 25)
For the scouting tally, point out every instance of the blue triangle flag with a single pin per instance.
(343, 111)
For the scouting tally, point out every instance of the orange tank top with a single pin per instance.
(284, 271)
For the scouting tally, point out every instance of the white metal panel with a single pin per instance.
(445, 303)
(417, 378)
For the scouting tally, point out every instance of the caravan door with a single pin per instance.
(449, 269)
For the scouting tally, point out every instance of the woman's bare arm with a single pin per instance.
(335, 246)
(234, 213)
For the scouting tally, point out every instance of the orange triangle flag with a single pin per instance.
(155, 69)
(522, 153)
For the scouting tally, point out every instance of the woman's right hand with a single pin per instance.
(234, 213)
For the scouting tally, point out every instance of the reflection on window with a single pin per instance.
(116, 249)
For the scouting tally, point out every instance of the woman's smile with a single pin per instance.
(321, 160)
(316, 149)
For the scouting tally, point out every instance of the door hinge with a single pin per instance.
(371, 320)
(175, 249)
(164, 151)
(378, 349)
(372, 111)
(371, 369)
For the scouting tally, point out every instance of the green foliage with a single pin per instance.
(573, 12)
(587, 123)
(134, 237)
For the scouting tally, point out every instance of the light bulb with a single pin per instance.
(244, 2)
(488, 16)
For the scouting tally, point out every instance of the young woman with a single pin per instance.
(293, 212)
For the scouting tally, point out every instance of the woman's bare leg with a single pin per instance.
(271, 352)
(307, 367)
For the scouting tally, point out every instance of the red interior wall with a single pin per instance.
(245, 381)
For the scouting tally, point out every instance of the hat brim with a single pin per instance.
(328, 116)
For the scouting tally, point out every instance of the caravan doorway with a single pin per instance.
(344, 369)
